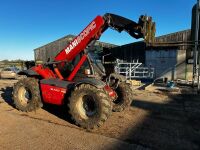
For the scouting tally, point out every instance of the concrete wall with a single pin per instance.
(169, 63)
(189, 72)
(181, 70)
(164, 62)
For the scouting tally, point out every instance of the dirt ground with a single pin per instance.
(156, 120)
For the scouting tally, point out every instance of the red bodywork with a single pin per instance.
(44, 72)
(53, 94)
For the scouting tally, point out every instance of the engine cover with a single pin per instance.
(54, 90)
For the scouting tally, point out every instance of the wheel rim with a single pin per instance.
(87, 106)
(24, 95)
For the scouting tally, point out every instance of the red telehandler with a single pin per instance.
(76, 76)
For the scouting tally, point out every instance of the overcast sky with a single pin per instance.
(28, 24)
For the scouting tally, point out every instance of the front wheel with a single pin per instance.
(89, 106)
(124, 98)
(26, 95)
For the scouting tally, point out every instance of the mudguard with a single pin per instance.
(92, 81)
(28, 72)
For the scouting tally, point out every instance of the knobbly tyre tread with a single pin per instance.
(124, 93)
(101, 98)
(35, 102)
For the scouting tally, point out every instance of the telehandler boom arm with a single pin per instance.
(145, 28)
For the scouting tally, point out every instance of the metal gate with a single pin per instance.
(134, 70)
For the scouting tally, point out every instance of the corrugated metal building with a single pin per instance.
(168, 61)
(49, 51)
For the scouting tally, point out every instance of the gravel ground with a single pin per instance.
(156, 120)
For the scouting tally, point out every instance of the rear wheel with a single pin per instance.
(89, 106)
(26, 95)
(124, 98)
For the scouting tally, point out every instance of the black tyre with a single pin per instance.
(26, 95)
(124, 98)
(89, 106)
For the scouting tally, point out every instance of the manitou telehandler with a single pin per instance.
(77, 77)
